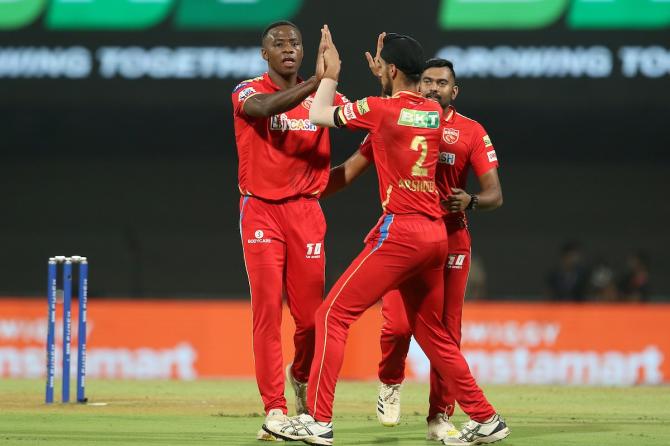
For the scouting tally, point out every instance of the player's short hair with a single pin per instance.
(437, 62)
(273, 25)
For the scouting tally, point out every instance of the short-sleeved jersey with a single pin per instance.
(464, 145)
(281, 156)
(404, 132)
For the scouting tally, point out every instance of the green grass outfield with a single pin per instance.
(228, 413)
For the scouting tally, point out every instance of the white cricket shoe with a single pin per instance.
(472, 432)
(300, 390)
(388, 404)
(277, 415)
(439, 427)
(301, 428)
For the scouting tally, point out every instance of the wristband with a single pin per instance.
(474, 202)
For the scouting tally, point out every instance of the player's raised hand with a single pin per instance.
(331, 56)
(375, 62)
(320, 63)
(458, 200)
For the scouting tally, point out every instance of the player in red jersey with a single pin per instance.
(465, 145)
(284, 163)
(406, 250)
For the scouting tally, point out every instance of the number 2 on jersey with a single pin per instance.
(419, 142)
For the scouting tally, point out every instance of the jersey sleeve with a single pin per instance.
(242, 92)
(366, 149)
(362, 114)
(341, 99)
(482, 153)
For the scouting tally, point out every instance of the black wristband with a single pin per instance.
(474, 202)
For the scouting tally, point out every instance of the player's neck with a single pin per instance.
(400, 85)
(281, 81)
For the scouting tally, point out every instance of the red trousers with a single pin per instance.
(405, 252)
(397, 333)
(283, 254)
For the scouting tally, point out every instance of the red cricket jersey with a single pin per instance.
(282, 156)
(404, 131)
(464, 145)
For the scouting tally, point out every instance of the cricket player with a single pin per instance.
(464, 145)
(284, 163)
(406, 250)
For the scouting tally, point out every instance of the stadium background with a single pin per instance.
(116, 145)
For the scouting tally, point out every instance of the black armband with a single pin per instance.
(337, 119)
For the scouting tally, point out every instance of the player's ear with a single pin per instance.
(454, 92)
(264, 54)
(393, 71)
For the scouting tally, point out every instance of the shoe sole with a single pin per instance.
(309, 440)
(264, 435)
(500, 435)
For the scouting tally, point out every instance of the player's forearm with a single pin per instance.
(322, 109)
(336, 181)
(489, 199)
(265, 105)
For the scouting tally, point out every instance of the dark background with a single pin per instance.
(141, 176)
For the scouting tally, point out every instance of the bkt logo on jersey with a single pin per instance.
(455, 261)
(447, 158)
(284, 123)
(313, 251)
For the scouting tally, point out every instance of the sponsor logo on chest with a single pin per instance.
(447, 158)
(282, 123)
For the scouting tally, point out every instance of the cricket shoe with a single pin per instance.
(277, 415)
(473, 432)
(388, 404)
(300, 390)
(301, 428)
(439, 427)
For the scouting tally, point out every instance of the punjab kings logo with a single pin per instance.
(307, 103)
(450, 136)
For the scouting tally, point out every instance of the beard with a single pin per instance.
(444, 102)
(387, 85)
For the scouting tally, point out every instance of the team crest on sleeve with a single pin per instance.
(487, 141)
(450, 136)
(362, 106)
(492, 156)
(246, 93)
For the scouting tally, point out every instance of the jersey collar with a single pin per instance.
(270, 82)
(407, 93)
(450, 114)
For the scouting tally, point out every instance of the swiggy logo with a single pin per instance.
(535, 14)
(142, 14)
